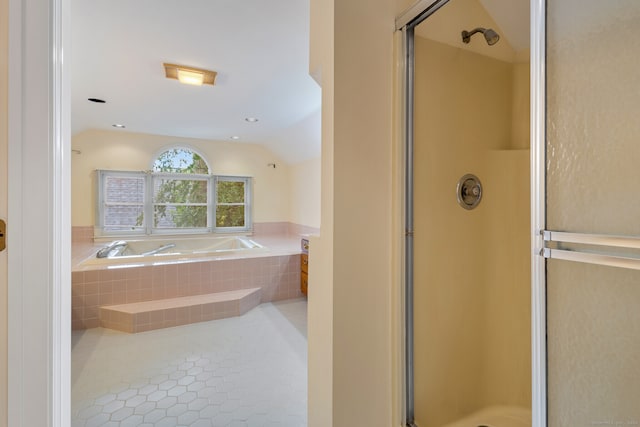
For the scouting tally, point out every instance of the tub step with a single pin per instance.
(165, 313)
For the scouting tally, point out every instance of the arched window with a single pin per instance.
(178, 195)
(180, 160)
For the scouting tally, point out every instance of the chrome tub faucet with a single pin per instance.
(111, 249)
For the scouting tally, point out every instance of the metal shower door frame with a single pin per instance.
(538, 101)
(406, 23)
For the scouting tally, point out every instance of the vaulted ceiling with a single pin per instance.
(259, 49)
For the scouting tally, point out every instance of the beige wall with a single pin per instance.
(304, 192)
(351, 372)
(520, 102)
(506, 347)
(4, 12)
(320, 297)
(471, 274)
(133, 151)
(362, 192)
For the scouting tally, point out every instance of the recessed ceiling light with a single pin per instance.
(119, 126)
(190, 75)
(97, 100)
(235, 137)
(251, 119)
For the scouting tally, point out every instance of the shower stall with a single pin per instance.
(521, 248)
(470, 215)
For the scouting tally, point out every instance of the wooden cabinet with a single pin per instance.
(304, 266)
(304, 273)
(304, 279)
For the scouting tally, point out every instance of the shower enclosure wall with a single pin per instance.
(471, 267)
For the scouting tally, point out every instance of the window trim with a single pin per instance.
(148, 229)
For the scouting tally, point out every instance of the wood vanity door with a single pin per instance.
(304, 271)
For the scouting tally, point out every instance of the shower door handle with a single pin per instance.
(592, 239)
(597, 249)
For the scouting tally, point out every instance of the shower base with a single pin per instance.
(496, 416)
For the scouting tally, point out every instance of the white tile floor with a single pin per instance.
(243, 371)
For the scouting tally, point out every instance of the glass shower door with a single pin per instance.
(592, 237)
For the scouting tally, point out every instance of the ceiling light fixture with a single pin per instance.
(251, 119)
(190, 75)
(118, 125)
(234, 137)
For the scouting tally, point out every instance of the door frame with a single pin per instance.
(39, 226)
(405, 23)
(538, 215)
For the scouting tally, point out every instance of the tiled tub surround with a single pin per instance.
(277, 274)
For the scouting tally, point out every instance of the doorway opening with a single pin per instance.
(468, 316)
(188, 304)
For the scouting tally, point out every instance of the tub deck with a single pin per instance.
(274, 245)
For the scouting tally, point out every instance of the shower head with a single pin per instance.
(489, 35)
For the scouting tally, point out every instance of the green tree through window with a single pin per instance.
(180, 202)
(230, 207)
(180, 160)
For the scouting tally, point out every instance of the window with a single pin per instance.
(231, 202)
(177, 196)
(122, 198)
(180, 190)
(179, 202)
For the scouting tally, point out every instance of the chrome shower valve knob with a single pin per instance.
(469, 191)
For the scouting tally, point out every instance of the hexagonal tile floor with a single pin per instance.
(243, 371)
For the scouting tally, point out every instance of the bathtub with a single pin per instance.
(139, 252)
(194, 266)
(496, 416)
